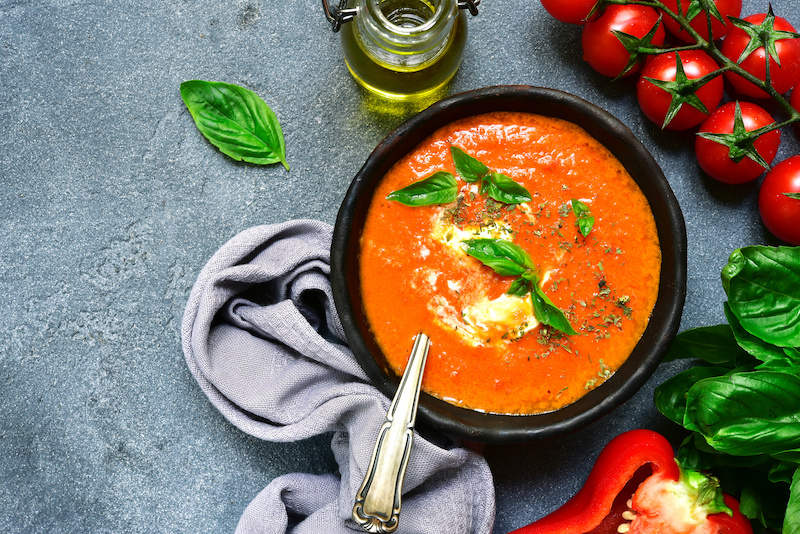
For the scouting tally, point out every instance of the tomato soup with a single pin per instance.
(488, 351)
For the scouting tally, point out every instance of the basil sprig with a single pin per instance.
(438, 188)
(435, 190)
(495, 185)
(509, 259)
(584, 219)
(742, 401)
(236, 121)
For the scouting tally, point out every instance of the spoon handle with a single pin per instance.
(377, 506)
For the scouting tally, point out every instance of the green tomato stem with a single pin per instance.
(711, 49)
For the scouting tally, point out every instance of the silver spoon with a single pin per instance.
(377, 506)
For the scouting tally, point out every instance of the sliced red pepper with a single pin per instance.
(636, 486)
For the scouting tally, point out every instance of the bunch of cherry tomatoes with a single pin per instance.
(680, 84)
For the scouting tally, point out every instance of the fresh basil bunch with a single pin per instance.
(742, 402)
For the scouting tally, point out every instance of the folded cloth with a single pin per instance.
(263, 339)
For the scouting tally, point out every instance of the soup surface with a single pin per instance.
(488, 351)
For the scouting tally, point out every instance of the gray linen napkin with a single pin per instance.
(262, 338)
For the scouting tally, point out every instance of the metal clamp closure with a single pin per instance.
(472, 5)
(343, 14)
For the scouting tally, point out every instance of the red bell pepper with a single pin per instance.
(637, 487)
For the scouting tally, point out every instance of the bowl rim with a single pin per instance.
(665, 319)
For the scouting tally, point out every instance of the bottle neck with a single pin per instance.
(405, 34)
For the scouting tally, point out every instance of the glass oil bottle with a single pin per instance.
(402, 49)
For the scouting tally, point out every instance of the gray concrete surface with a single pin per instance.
(112, 201)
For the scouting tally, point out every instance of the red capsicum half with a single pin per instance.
(637, 487)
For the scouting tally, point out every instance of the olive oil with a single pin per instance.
(407, 14)
(404, 49)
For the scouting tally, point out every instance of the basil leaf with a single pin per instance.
(585, 225)
(236, 121)
(670, 395)
(712, 344)
(795, 196)
(749, 503)
(504, 257)
(469, 168)
(519, 287)
(585, 220)
(438, 188)
(787, 456)
(504, 189)
(758, 348)
(791, 521)
(547, 313)
(763, 501)
(760, 499)
(695, 453)
(763, 293)
(747, 413)
(782, 472)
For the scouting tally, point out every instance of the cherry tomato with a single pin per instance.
(727, 8)
(783, 77)
(714, 158)
(571, 11)
(656, 101)
(779, 212)
(604, 51)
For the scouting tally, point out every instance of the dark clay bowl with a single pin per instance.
(477, 426)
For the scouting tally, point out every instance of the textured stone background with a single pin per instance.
(112, 201)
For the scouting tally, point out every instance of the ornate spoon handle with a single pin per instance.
(377, 507)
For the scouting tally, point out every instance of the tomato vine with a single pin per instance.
(710, 47)
(759, 55)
